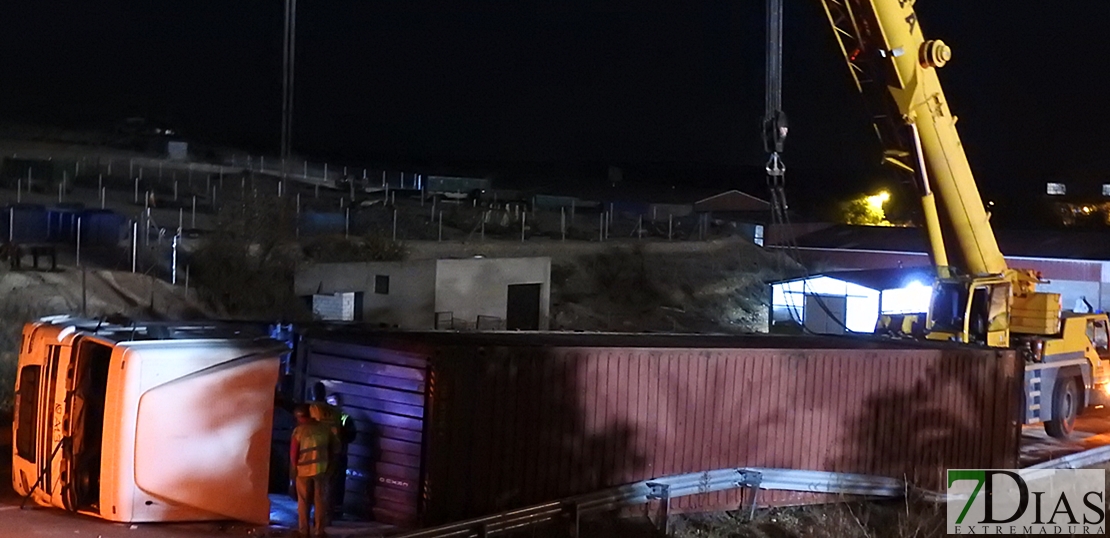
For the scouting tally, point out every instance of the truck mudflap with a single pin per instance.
(203, 440)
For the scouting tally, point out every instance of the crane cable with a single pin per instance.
(775, 129)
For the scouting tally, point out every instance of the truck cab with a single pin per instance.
(145, 422)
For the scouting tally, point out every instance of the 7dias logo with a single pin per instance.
(1028, 501)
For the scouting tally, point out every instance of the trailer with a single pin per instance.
(452, 425)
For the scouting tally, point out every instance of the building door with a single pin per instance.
(826, 314)
(523, 311)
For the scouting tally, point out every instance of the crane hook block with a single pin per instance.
(775, 128)
(935, 53)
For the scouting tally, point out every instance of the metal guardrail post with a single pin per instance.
(661, 493)
(574, 517)
(751, 480)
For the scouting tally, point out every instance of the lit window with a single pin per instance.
(1058, 189)
(1106, 189)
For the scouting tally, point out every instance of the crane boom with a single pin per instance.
(1067, 354)
(895, 66)
(882, 39)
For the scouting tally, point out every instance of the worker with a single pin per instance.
(327, 409)
(312, 452)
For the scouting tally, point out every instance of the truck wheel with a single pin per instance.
(1065, 407)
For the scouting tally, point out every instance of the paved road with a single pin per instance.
(1092, 430)
(38, 522)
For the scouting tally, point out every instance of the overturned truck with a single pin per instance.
(154, 422)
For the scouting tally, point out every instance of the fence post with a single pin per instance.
(485, 215)
(347, 222)
(100, 182)
(103, 196)
(670, 226)
(563, 222)
(175, 190)
(212, 204)
(640, 227)
(19, 190)
(523, 221)
(136, 190)
(194, 224)
(60, 189)
(11, 225)
(395, 225)
(441, 226)
(601, 226)
(134, 244)
(78, 241)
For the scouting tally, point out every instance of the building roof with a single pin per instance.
(732, 200)
(1053, 244)
(880, 279)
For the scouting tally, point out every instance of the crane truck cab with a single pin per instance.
(151, 422)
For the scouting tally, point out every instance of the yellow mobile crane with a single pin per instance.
(977, 298)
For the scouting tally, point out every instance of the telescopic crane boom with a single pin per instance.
(978, 297)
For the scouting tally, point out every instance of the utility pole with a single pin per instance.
(288, 76)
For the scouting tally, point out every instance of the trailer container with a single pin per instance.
(454, 425)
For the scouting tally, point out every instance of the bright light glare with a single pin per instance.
(876, 201)
(910, 299)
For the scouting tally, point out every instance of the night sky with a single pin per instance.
(562, 83)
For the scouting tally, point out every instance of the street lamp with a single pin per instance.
(288, 64)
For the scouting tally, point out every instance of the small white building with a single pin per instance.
(851, 301)
(469, 293)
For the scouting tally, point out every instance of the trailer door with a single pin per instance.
(202, 439)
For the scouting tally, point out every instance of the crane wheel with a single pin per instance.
(1065, 407)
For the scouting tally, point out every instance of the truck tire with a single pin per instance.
(1065, 407)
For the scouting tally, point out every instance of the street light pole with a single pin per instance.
(288, 76)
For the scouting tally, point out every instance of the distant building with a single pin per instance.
(850, 301)
(1076, 263)
(469, 293)
(450, 184)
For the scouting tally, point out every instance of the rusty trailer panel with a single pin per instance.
(510, 421)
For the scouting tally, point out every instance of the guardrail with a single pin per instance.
(1078, 460)
(663, 490)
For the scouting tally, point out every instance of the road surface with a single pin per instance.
(37, 522)
(1092, 430)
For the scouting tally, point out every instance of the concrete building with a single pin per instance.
(470, 293)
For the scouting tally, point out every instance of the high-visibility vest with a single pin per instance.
(312, 448)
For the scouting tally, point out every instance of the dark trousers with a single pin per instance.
(337, 484)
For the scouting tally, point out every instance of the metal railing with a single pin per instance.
(664, 490)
